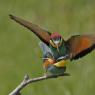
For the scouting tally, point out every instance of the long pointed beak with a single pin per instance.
(58, 49)
(56, 43)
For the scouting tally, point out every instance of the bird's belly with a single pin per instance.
(57, 67)
(56, 70)
(50, 62)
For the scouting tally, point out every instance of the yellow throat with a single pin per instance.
(61, 63)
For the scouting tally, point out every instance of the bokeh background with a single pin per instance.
(20, 53)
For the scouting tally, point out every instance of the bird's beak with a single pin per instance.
(57, 48)
(57, 45)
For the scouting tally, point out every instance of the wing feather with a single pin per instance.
(80, 45)
(41, 33)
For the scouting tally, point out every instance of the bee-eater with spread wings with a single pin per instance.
(57, 49)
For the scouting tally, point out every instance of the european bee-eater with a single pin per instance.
(59, 49)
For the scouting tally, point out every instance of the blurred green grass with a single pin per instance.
(20, 54)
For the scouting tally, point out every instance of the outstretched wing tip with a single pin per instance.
(41, 33)
(11, 16)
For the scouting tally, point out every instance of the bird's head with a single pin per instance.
(56, 40)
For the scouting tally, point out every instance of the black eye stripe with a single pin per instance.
(52, 40)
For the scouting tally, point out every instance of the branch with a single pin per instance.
(27, 81)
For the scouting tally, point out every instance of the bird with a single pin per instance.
(50, 63)
(57, 50)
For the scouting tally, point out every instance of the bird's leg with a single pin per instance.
(44, 68)
(45, 71)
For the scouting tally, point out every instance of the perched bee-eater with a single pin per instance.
(56, 50)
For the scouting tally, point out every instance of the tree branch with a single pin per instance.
(26, 81)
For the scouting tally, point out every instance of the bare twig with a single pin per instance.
(27, 81)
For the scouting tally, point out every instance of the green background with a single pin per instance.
(20, 53)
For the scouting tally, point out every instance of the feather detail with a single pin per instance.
(39, 32)
(61, 63)
(45, 50)
(80, 45)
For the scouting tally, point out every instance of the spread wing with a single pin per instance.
(41, 33)
(80, 45)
